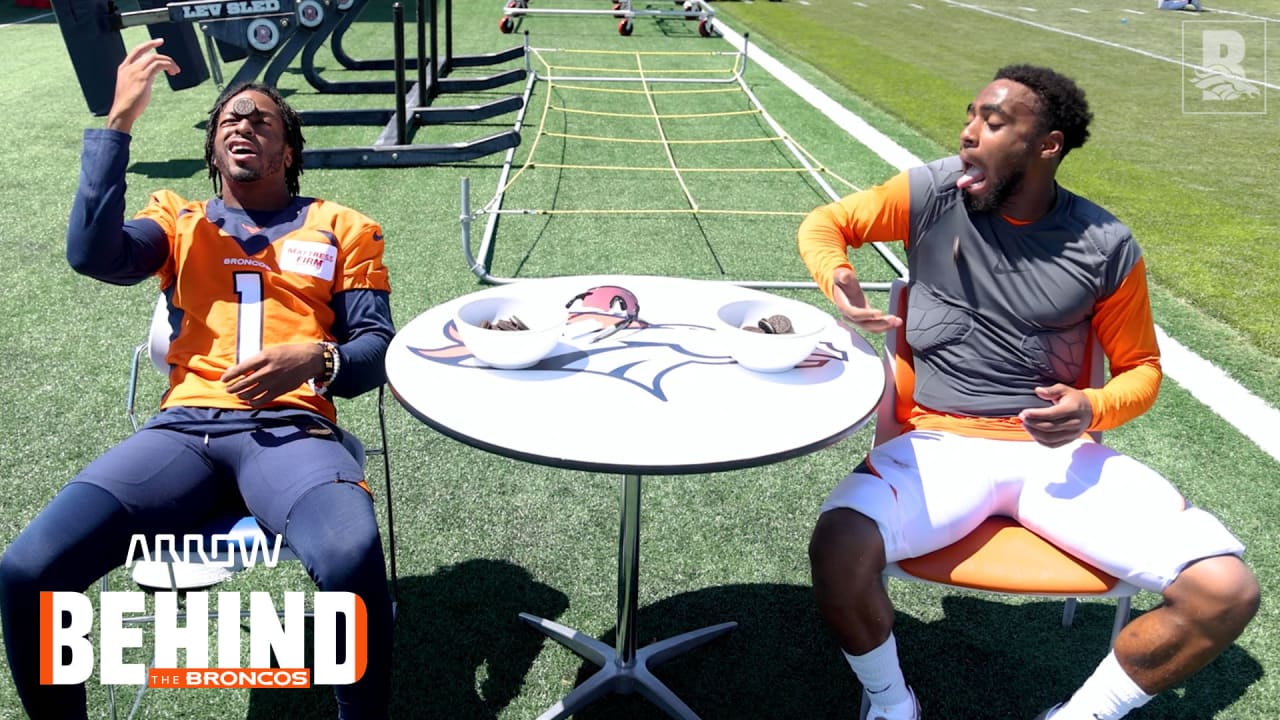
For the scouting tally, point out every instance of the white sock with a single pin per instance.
(881, 676)
(1108, 694)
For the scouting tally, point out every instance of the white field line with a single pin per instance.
(1100, 41)
(23, 21)
(1251, 415)
(1248, 413)
(1133, 12)
(883, 145)
(1219, 11)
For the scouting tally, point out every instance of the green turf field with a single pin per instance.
(482, 538)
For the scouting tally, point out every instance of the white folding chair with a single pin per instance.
(1000, 556)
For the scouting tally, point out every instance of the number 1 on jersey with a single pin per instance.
(249, 325)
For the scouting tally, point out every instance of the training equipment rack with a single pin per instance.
(91, 31)
(623, 9)
(394, 146)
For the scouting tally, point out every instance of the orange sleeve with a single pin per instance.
(361, 261)
(878, 214)
(163, 208)
(1127, 332)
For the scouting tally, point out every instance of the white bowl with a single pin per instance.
(510, 349)
(765, 352)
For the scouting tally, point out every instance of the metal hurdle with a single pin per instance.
(91, 31)
(623, 9)
(478, 260)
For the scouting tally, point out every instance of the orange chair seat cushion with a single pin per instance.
(1002, 556)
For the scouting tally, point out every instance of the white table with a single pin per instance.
(659, 397)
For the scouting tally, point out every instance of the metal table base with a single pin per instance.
(623, 668)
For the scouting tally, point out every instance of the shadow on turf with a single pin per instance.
(983, 660)
(170, 169)
(461, 651)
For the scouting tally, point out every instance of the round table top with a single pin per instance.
(661, 396)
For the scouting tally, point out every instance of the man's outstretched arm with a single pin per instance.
(100, 243)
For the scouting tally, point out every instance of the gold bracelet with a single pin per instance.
(332, 364)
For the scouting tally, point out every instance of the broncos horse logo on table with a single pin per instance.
(642, 358)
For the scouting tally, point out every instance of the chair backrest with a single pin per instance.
(900, 375)
(158, 336)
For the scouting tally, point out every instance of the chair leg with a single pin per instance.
(391, 525)
(1068, 612)
(137, 699)
(1123, 608)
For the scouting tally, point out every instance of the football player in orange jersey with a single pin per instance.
(275, 302)
(1011, 275)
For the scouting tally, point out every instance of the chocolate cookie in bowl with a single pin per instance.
(508, 332)
(772, 325)
(772, 335)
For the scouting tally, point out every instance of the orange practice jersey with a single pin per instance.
(1121, 320)
(232, 298)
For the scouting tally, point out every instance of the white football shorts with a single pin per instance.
(932, 488)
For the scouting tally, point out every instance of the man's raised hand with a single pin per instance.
(134, 78)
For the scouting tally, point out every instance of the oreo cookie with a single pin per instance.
(244, 106)
(772, 325)
(512, 323)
